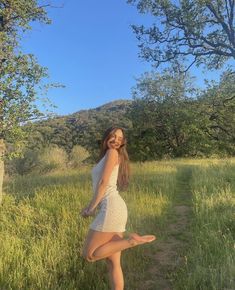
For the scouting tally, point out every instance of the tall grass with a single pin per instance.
(210, 260)
(42, 233)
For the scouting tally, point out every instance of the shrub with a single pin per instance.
(77, 156)
(42, 161)
(51, 158)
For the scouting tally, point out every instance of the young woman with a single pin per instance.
(105, 237)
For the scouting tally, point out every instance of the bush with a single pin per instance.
(77, 156)
(41, 161)
(51, 158)
(23, 165)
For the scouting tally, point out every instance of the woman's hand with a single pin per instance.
(86, 212)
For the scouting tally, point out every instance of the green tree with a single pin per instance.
(196, 31)
(217, 108)
(21, 76)
(163, 115)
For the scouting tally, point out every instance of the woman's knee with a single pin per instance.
(87, 256)
(114, 259)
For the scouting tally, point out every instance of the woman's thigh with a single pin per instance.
(95, 239)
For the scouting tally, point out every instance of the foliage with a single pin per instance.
(77, 156)
(38, 161)
(217, 106)
(84, 128)
(21, 77)
(52, 158)
(200, 32)
(164, 117)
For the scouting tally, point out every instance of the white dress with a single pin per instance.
(112, 214)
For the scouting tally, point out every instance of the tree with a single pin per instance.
(217, 106)
(164, 117)
(20, 74)
(196, 31)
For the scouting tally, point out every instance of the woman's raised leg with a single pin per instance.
(93, 240)
(100, 245)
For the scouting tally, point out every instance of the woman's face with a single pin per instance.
(116, 140)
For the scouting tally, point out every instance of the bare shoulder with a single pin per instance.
(113, 154)
(112, 151)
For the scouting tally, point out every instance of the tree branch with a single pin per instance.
(221, 21)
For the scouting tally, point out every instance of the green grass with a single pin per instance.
(41, 232)
(210, 259)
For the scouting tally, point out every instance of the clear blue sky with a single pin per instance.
(92, 50)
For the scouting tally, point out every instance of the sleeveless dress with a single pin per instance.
(112, 214)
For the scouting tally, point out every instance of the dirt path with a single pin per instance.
(169, 253)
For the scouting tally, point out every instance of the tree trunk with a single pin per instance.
(2, 150)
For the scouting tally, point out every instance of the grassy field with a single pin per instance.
(41, 232)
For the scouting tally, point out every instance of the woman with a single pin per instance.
(105, 237)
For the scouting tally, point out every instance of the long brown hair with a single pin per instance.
(124, 168)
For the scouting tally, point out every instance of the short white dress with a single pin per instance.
(112, 214)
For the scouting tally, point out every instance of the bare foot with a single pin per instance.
(136, 239)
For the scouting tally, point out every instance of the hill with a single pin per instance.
(84, 127)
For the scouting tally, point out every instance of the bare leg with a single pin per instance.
(115, 271)
(114, 246)
(110, 273)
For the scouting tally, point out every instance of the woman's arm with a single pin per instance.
(111, 161)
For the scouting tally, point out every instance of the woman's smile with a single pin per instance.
(115, 141)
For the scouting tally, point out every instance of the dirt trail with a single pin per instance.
(168, 254)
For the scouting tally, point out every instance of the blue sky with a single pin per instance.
(92, 50)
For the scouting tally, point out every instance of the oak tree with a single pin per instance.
(21, 76)
(198, 32)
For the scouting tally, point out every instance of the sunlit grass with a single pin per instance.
(211, 257)
(42, 233)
